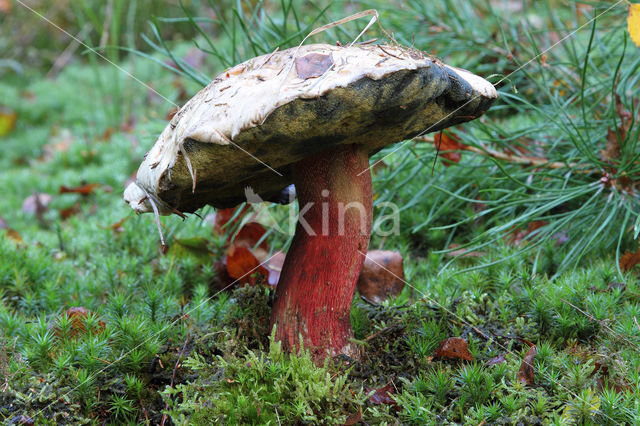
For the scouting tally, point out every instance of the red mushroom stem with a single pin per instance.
(319, 275)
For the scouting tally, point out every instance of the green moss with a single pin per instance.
(263, 388)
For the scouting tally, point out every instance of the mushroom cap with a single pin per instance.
(288, 105)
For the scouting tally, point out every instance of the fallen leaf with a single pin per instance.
(454, 348)
(496, 360)
(242, 264)
(612, 147)
(250, 234)
(463, 252)
(382, 275)
(526, 373)
(313, 65)
(7, 121)
(117, 227)
(37, 204)
(616, 286)
(382, 396)
(84, 190)
(633, 23)
(5, 6)
(605, 381)
(354, 418)
(224, 216)
(448, 146)
(629, 260)
(14, 236)
(67, 212)
(106, 135)
(612, 152)
(78, 316)
(521, 236)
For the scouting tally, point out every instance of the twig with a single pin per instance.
(68, 52)
(382, 331)
(104, 37)
(530, 161)
(277, 415)
(173, 377)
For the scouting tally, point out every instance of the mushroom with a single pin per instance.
(311, 116)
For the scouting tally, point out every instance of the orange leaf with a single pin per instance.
(223, 216)
(117, 227)
(243, 265)
(250, 234)
(454, 348)
(448, 145)
(85, 189)
(15, 236)
(629, 260)
(526, 373)
(66, 213)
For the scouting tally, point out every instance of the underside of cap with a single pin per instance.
(247, 128)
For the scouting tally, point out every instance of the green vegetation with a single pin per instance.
(157, 336)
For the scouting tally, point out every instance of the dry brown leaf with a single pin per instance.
(629, 260)
(526, 373)
(223, 216)
(520, 236)
(313, 65)
(496, 360)
(14, 236)
(382, 396)
(78, 315)
(612, 147)
(382, 275)
(86, 189)
(615, 136)
(67, 212)
(117, 227)
(354, 418)
(454, 348)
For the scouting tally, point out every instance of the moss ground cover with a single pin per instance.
(153, 335)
